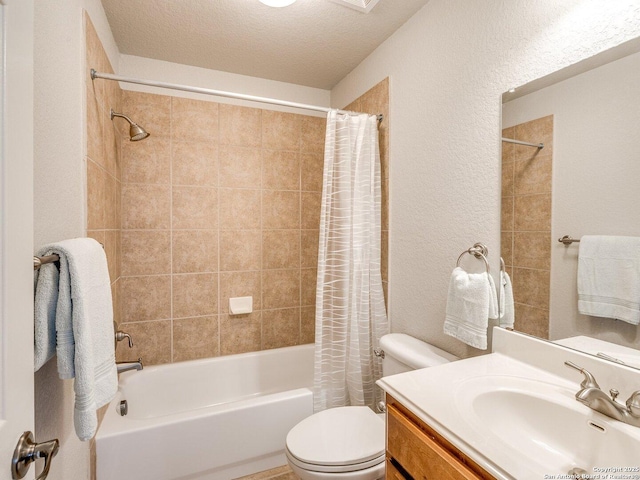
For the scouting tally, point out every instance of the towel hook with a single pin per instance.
(480, 251)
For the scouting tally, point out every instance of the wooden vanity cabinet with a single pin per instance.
(416, 451)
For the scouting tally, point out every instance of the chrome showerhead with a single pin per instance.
(136, 132)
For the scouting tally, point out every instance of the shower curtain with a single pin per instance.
(350, 309)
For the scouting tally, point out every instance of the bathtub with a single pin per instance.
(211, 419)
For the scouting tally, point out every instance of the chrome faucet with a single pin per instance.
(126, 366)
(594, 398)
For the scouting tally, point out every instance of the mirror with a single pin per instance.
(583, 181)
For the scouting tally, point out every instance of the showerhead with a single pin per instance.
(136, 132)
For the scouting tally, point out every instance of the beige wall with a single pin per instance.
(526, 221)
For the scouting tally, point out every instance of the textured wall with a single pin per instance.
(449, 65)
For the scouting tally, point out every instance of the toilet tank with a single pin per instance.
(403, 353)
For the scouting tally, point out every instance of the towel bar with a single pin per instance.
(567, 240)
(39, 261)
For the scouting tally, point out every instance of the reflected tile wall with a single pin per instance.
(214, 206)
(526, 221)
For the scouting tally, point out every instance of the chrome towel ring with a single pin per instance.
(480, 251)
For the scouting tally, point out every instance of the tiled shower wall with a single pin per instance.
(103, 160)
(526, 222)
(219, 201)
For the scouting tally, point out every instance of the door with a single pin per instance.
(16, 228)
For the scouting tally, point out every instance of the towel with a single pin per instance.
(83, 325)
(468, 306)
(609, 277)
(507, 313)
(46, 299)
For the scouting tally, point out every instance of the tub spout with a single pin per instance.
(126, 366)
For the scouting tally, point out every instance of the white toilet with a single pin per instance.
(348, 442)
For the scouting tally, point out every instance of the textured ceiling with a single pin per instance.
(312, 42)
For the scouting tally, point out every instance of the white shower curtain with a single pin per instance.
(350, 310)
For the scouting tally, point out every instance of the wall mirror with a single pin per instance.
(584, 181)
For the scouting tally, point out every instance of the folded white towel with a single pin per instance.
(468, 304)
(46, 299)
(84, 327)
(609, 277)
(507, 312)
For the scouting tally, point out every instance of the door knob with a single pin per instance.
(27, 451)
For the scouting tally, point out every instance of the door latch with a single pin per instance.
(27, 451)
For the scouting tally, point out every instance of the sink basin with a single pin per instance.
(543, 422)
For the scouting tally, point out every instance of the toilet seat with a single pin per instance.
(338, 440)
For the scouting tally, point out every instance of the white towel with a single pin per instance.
(609, 277)
(468, 306)
(46, 299)
(507, 312)
(84, 326)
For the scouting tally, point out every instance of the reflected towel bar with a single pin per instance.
(511, 140)
(567, 240)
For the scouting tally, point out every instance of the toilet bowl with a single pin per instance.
(348, 443)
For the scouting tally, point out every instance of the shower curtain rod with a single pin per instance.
(218, 93)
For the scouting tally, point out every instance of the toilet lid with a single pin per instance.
(338, 436)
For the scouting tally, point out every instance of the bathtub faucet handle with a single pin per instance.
(120, 335)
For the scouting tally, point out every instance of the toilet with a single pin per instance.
(348, 443)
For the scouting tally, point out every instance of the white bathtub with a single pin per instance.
(213, 419)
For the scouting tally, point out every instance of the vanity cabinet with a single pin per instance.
(416, 451)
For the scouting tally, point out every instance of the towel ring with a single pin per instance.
(480, 251)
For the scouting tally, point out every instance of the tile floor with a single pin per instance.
(279, 473)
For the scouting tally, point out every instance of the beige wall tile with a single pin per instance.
(144, 252)
(309, 248)
(194, 163)
(313, 132)
(533, 176)
(506, 215)
(280, 170)
(147, 161)
(194, 208)
(151, 342)
(240, 333)
(111, 204)
(308, 324)
(312, 166)
(311, 204)
(194, 119)
(240, 125)
(280, 249)
(239, 209)
(240, 167)
(195, 338)
(280, 328)
(240, 284)
(95, 119)
(96, 196)
(532, 213)
(508, 169)
(146, 206)
(195, 295)
(535, 131)
(240, 250)
(110, 250)
(308, 282)
(506, 247)
(195, 251)
(531, 320)
(280, 209)
(384, 255)
(151, 112)
(280, 288)
(111, 147)
(508, 148)
(116, 288)
(145, 298)
(280, 130)
(531, 287)
(532, 250)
